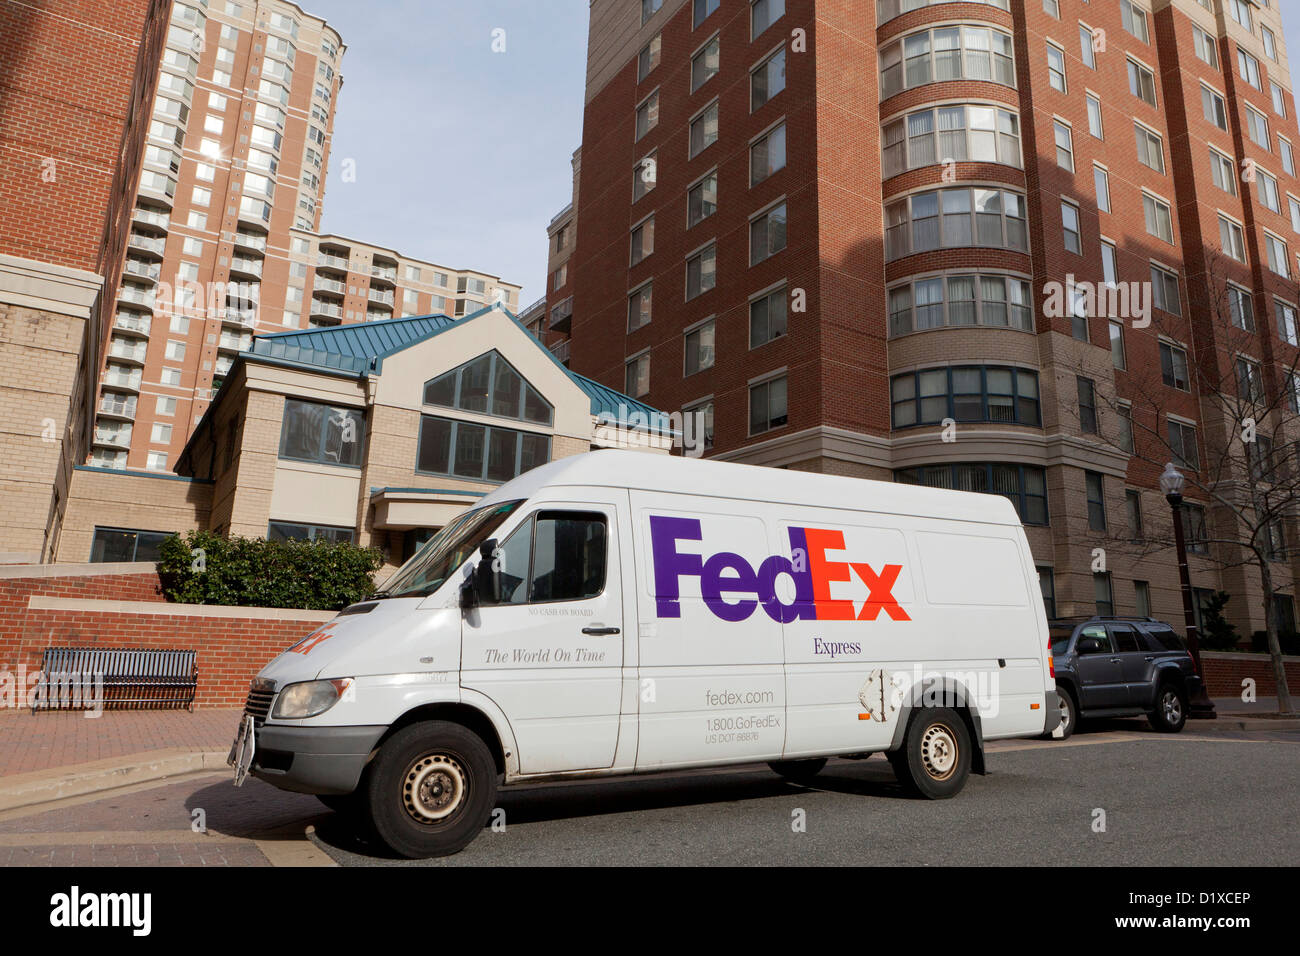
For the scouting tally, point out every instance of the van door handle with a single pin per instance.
(599, 630)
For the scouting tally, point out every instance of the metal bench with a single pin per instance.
(116, 678)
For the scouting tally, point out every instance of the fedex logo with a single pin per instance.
(812, 570)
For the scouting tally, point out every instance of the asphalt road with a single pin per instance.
(1201, 797)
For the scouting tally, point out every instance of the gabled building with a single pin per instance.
(377, 433)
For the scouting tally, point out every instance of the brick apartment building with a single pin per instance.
(76, 81)
(834, 224)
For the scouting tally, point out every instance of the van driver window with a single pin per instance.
(568, 556)
(1098, 634)
(512, 559)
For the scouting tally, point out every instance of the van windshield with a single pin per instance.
(445, 552)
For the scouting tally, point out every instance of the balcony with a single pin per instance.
(328, 309)
(234, 343)
(139, 269)
(385, 274)
(332, 263)
(116, 405)
(256, 211)
(151, 218)
(562, 315)
(241, 318)
(113, 436)
(382, 298)
(376, 315)
(136, 295)
(561, 351)
(221, 368)
(118, 376)
(146, 244)
(249, 240)
(244, 266)
(329, 286)
(132, 322)
(128, 350)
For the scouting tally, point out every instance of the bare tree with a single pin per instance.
(1244, 454)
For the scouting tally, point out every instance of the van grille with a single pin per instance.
(259, 705)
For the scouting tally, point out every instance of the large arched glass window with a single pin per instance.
(489, 385)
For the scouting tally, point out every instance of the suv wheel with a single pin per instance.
(1171, 709)
(1069, 713)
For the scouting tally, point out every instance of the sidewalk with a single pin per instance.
(49, 756)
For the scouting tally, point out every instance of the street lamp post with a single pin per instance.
(1171, 483)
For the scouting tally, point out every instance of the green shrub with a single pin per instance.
(204, 568)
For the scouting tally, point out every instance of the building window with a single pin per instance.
(1087, 52)
(1270, 41)
(1134, 19)
(1182, 444)
(1250, 382)
(706, 410)
(1103, 594)
(1232, 239)
(649, 58)
(324, 434)
(1117, 357)
(1159, 220)
(703, 10)
(1223, 172)
(1070, 224)
(764, 13)
(1064, 146)
(647, 115)
(1213, 108)
(1173, 366)
(1141, 82)
(1095, 126)
(1142, 598)
(704, 129)
(1087, 405)
(767, 405)
(1286, 324)
(643, 240)
(1205, 46)
(1150, 148)
(767, 318)
(975, 393)
(1194, 530)
(292, 531)
(970, 217)
(947, 53)
(636, 378)
(767, 234)
(1124, 415)
(1101, 183)
(1248, 67)
(701, 271)
(649, 8)
(706, 63)
(1024, 485)
(1052, 8)
(1095, 488)
(1257, 123)
(1109, 264)
(995, 300)
(458, 449)
(1239, 10)
(767, 80)
(1047, 585)
(639, 305)
(489, 385)
(767, 155)
(1278, 259)
(122, 544)
(644, 178)
(702, 200)
(699, 348)
(951, 134)
(1164, 290)
(1056, 67)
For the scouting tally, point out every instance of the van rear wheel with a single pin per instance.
(798, 771)
(431, 789)
(934, 761)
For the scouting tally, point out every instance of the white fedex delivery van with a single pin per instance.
(619, 612)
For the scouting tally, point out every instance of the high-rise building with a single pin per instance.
(76, 81)
(844, 229)
(237, 151)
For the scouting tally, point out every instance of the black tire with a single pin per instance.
(1069, 715)
(934, 761)
(1171, 709)
(431, 789)
(798, 771)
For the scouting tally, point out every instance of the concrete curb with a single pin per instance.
(46, 786)
(1232, 722)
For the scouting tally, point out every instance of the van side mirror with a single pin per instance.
(487, 579)
(468, 593)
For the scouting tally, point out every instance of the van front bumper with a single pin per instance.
(326, 760)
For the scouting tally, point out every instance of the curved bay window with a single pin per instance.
(962, 300)
(489, 385)
(947, 53)
(981, 134)
(1024, 485)
(965, 393)
(887, 10)
(947, 218)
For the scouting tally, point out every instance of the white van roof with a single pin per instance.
(614, 468)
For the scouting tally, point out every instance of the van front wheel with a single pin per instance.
(431, 789)
(935, 759)
(798, 771)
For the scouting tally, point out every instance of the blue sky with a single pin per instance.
(462, 154)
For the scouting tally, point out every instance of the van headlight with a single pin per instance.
(310, 698)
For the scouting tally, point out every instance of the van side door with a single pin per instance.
(548, 649)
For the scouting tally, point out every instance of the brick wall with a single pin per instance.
(83, 608)
(1225, 672)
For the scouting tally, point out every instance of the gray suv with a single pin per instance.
(1122, 667)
